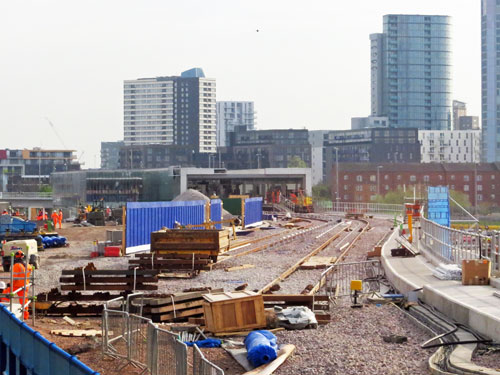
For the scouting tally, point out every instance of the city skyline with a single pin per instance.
(75, 77)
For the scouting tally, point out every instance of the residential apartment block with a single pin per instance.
(171, 110)
(490, 80)
(231, 114)
(457, 146)
(360, 182)
(411, 72)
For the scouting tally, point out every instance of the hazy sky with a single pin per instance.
(308, 66)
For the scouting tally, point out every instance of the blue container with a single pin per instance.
(261, 347)
(146, 217)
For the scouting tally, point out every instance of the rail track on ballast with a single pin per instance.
(295, 280)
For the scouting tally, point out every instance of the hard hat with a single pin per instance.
(19, 254)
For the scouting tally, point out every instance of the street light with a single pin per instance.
(378, 179)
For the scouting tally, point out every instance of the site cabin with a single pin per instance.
(211, 242)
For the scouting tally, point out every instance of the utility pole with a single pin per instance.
(378, 179)
(337, 174)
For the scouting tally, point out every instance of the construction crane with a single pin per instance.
(56, 133)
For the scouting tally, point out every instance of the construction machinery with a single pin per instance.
(301, 202)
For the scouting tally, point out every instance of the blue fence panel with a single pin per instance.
(146, 217)
(216, 211)
(253, 210)
(438, 209)
(21, 344)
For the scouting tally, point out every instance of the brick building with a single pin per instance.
(360, 182)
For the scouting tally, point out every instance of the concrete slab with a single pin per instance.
(472, 305)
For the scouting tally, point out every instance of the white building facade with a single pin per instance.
(450, 146)
(171, 110)
(231, 114)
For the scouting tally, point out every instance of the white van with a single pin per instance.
(28, 247)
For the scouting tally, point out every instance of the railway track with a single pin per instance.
(299, 281)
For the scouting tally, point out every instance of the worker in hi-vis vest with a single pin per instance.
(19, 269)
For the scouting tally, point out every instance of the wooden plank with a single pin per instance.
(77, 332)
(239, 268)
(267, 369)
(117, 279)
(293, 297)
(176, 275)
(179, 297)
(318, 262)
(170, 256)
(109, 287)
(177, 306)
(110, 272)
(181, 314)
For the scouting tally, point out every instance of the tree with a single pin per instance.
(296, 162)
(321, 192)
(46, 189)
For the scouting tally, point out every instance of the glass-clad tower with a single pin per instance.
(490, 80)
(411, 72)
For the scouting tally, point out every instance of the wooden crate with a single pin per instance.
(210, 242)
(234, 311)
(476, 272)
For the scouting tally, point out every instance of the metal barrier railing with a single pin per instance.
(336, 280)
(115, 335)
(359, 207)
(452, 245)
(140, 342)
(201, 366)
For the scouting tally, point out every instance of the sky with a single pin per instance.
(308, 65)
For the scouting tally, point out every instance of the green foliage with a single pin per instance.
(296, 162)
(321, 192)
(392, 197)
(461, 198)
(46, 189)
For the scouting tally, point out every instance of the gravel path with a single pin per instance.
(353, 344)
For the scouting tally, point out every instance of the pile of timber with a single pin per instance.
(193, 263)
(209, 242)
(177, 307)
(108, 280)
(318, 304)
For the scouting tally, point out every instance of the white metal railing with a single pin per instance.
(25, 195)
(452, 245)
(359, 207)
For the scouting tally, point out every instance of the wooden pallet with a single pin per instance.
(177, 307)
(107, 280)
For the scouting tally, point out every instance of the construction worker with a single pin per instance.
(60, 218)
(19, 269)
(55, 218)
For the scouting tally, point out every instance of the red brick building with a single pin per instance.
(361, 182)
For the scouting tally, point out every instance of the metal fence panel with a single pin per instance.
(115, 335)
(201, 366)
(359, 207)
(339, 277)
(216, 212)
(452, 245)
(253, 210)
(138, 336)
(146, 217)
